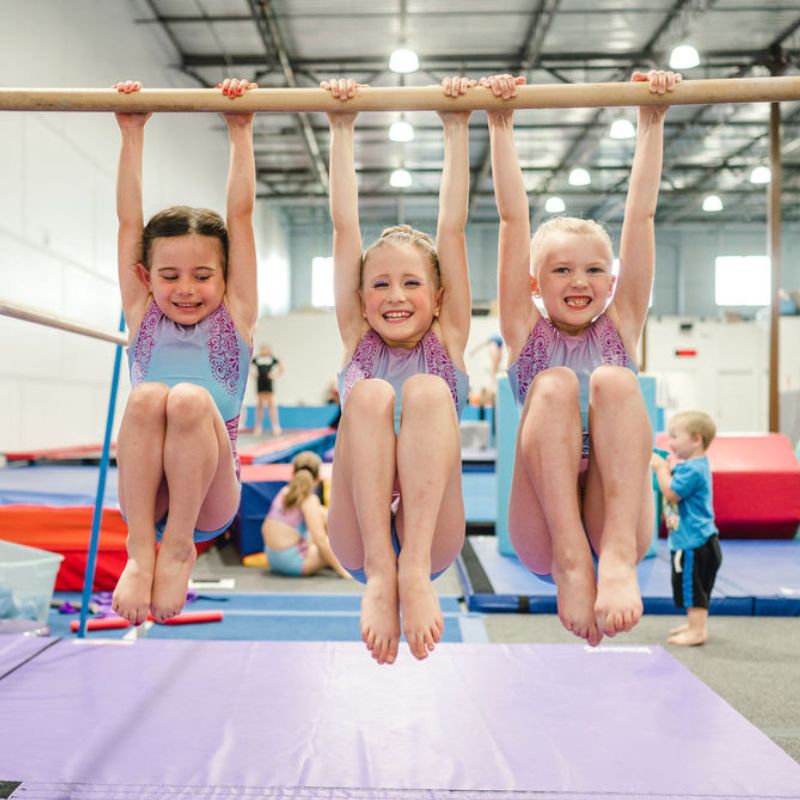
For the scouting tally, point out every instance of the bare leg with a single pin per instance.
(619, 466)
(140, 447)
(545, 520)
(358, 522)
(319, 556)
(273, 415)
(258, 426)
(695, 632)
(202, 490)
(428, 453)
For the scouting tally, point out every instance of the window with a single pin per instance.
(322, 282)
(742, 281)
(273, 285)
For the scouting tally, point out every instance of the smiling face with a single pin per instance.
(684, 444)
(573, 277)
(186, 276)
(399, 294)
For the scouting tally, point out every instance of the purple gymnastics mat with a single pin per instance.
(205, 719)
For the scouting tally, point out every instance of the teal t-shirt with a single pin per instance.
(691, 481)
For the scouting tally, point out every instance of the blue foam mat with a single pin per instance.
(62, 485)
(757, 578)
(273, 617)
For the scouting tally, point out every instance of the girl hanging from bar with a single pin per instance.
(188, 284)
(403, 307)
(581, 487)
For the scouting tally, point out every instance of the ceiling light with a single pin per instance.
(401, 131)
(579, 177)
(554, 205)
(622, 129)
(684, 57)
(712, 203)
(400, 179)
(403, 60)
(760, 175)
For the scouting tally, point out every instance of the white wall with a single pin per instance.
(57, 220)
(728, 376)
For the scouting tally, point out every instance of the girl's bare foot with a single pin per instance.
(576, 592)
(619, 603)
(131, 598)
(174, 566)
(423, 623)
(679, 629)
(380, 616)
(688, 638)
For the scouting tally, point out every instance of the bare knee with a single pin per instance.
(556, 387)
(371, 399)
(425, 392)
(147, 401)
(613, 385)
(188, 405)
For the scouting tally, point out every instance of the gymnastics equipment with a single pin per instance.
(48, 319)
(112, 623)
(756, 481)
(9, 308)
(427, 98)
(507, 421)
(555, 721)
(760, 579)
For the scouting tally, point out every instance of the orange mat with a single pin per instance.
(66, 530)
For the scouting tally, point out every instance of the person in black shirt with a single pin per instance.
(268, 368)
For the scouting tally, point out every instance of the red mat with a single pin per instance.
(66, 530)
(756, 485)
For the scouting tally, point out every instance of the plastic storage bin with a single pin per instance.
(27, 579)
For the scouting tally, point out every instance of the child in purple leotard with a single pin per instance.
(295, 529)
(403, 308)
(188, 285)
(581, 484)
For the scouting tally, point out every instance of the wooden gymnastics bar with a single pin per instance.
(30, 314)
(428, 98)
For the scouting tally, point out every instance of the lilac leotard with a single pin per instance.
(373, 358)
(292, 517)
(548, 347)
(211, 354)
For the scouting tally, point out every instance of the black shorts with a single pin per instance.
(693, 573)
(264, 385)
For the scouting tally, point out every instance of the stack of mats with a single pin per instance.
(756, 485)
(51, 507)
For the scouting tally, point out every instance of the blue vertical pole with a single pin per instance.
(94, 541)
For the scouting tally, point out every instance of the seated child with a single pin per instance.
(295, 530)
(689, 514)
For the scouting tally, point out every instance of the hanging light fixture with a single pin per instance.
(579, 177)
(401, 131)
(554, 205)
(684, 56)
(403, 60)
(400, 179)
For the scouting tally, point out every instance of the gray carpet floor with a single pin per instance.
(751, 662)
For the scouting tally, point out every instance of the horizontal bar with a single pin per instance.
(30, 314)
(426, 98)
